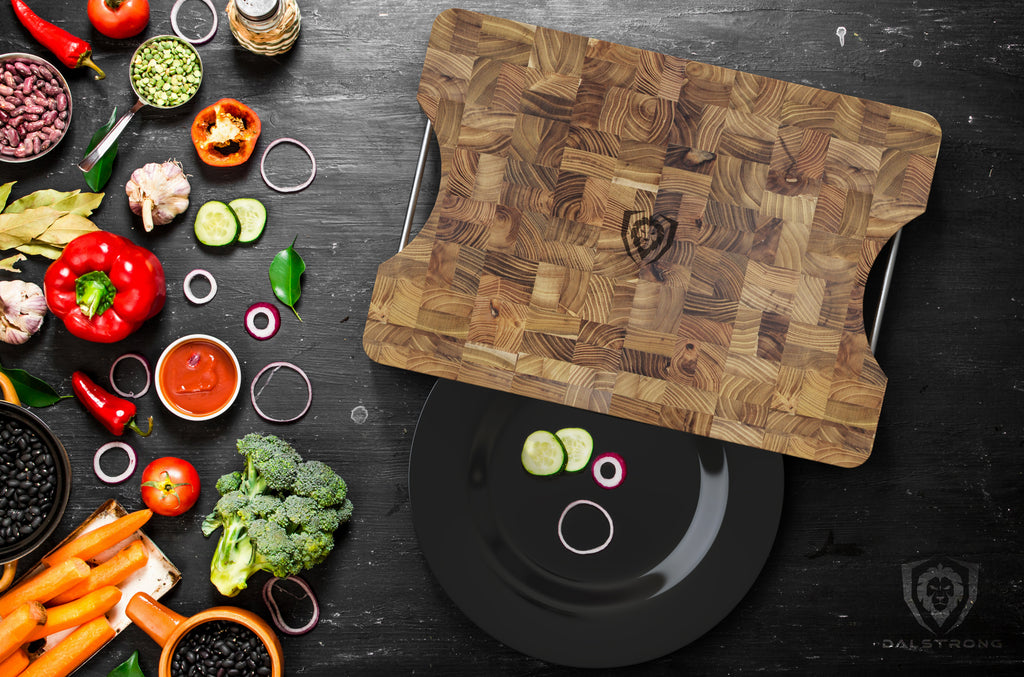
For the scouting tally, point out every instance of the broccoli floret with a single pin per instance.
(229, 482)
(277, 515)
(319, 481)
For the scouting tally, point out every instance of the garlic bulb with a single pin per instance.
(23, 306)
(158, 192)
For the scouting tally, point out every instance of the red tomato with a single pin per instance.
(119, 18)
(170, 486)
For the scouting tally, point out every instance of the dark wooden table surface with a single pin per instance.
(945, 475)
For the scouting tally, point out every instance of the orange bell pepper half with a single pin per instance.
(225, 133)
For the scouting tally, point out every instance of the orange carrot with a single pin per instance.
(46, 585)
(82, 610)
(17, 625)
(127, 561)
(14, 664)
(94, 542)
(62, 659)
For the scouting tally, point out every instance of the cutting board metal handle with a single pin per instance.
(421, 165)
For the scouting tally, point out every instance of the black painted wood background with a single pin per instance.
(944, 478)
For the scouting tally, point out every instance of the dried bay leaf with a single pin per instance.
(10, 263)
(65, 229)
(18, 228)
(83, 204)
(40, 198)
(5, 191)
(39, 249)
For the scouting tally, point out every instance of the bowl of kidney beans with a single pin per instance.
(35, 482)
(35, 107)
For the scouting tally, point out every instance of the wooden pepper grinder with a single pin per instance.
(266, 27)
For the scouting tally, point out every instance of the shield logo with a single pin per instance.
(940, 592)
(645, 237)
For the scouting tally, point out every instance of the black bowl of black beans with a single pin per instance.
(35, 482)
(35, 107)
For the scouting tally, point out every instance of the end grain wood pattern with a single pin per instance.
(651, 237)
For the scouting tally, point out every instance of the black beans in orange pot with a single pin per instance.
(220, 649)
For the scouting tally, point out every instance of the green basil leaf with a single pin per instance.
(285, 276)
(33, 392)
(98, 176)
(130, 668)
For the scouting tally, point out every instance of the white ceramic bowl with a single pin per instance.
(158, 377)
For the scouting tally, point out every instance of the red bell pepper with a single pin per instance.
(113, 412)
(104, 287)
(72, 52)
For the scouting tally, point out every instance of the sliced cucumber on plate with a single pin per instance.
(543, 454)
(579, 446)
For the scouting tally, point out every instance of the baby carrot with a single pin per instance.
(127, 561)
(62, 659)
(14, 664)
(45, 585)
(94, 542)
(17, 625)
(80, 611)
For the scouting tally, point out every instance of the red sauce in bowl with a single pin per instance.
(198, 378)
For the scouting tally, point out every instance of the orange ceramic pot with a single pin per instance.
(167, 628)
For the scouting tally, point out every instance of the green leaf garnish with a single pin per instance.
(98, 176)
(285, 272)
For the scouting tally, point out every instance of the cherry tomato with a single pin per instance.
(170, 486)
(119, 18)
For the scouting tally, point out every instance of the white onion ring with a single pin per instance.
(620, 470)
(145, 366)
(273, 321)
(275, 613)
(288, 189)
(132, 460)
(177, 31)
(591, 551)
(275, 366)
(187, 286)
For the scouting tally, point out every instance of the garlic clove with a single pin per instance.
(23, 308)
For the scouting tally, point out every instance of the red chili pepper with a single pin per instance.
(113, 412)
(71, 51)
(104, 287)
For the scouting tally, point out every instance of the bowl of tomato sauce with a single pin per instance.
(198, 377)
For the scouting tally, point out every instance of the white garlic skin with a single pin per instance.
(23, 306)
(158, 192)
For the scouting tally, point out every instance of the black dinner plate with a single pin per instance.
(687, 531)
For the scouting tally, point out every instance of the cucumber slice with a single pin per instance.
(252, 217)
(579, 446)
(543, 454)
(216, 225)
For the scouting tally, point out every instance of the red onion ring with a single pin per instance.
(275, 366)
(590, 551)
(187, 286)
(275, 612)
(177, 31)
(132, 460)
(288, 189)
(267, 310)
(620, 470)
(145, 366)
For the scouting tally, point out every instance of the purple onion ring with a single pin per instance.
(275, 612)
(145, 366)
(617, 463)
(288, 189)
(267, 310)
(275, 366)
(132, 460)
(590, 551)
(177, 31)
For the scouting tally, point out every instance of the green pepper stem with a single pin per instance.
(135, 426)
(95, 293)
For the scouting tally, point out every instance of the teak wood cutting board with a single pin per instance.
(652, 237)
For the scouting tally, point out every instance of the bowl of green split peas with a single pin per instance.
(166, 71)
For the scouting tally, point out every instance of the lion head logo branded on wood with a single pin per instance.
(646, 238)
(940, 592)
